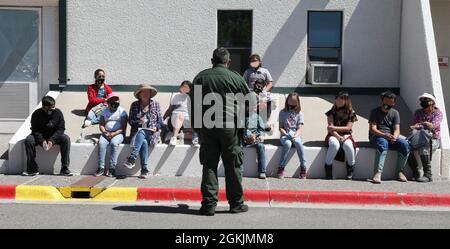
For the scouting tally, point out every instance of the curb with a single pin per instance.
(7, 192)
(49, 193)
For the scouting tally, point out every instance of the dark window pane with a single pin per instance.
(325, 29)
(239, 59)
(235, 29)
(326, 55)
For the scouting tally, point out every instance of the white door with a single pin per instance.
(20, 59)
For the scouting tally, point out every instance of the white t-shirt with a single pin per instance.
(113, 121)
(180, 101)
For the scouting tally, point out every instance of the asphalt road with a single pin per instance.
(13, 215)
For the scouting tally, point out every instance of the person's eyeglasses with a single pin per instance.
(101, 77)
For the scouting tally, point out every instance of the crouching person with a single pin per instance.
(146, 123)
(428, 122)
(339, 139)
(47, 130)
(113, 125)
(384, 135)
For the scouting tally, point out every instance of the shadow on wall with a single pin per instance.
(289, 38)
(383, 39)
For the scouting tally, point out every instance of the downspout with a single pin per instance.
(62, 45)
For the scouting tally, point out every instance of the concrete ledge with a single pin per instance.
(3, 166)
(184, 161)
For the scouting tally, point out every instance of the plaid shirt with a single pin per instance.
(435, 118)
(154, 121)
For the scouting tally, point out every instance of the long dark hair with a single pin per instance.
(348, 102)
(298, 109)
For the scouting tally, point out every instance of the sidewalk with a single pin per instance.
(163, 188)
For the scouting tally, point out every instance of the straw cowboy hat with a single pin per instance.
(427, 96)
(143, 87)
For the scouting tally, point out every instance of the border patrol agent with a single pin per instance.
(219, 141)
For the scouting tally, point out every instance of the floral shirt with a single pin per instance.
(154, 118)
(435, 118)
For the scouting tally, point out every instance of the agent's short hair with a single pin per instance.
(221, 56)
(48, 101)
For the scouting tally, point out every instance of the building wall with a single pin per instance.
(441, 20)
(165, 42)
(419, 71)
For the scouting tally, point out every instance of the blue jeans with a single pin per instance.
(141, 144)
(93, 118)
(382, 144)
(287, 145)
(103, 145)
(261, 152)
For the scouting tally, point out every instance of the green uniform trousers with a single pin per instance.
(216, 144)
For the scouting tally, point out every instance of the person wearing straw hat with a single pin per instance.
(217, 139)
(146, 123)
(428, 118)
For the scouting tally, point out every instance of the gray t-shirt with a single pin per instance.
(385, 121)
(251, 75)
(290, 121)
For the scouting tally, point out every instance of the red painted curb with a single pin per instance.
(7, 192)
(309, 197)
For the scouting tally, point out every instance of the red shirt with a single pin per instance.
(92, 96)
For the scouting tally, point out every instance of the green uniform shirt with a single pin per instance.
(221, 81)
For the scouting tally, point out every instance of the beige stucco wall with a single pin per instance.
(165, 42)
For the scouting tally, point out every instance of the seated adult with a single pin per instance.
(47, 129)
(97, 95)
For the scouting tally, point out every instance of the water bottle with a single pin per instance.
(181, 138)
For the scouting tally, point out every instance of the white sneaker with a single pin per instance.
(173, 141)
(87, 123)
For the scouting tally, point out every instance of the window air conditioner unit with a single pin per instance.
(324, 74)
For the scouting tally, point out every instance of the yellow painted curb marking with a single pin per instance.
(48, 193)
(117, 195)
(38, 193)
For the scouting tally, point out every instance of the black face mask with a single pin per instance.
(100, 81)
(114, 106)
(292, 107)
(425, 104)
(257, 90)
(388, 107)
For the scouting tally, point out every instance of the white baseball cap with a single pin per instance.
(428, 96)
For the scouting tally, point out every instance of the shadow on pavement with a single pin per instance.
(180, 209)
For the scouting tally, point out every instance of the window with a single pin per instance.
(19, 53)
(325, 36)
(19, 61)
(235, 29)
